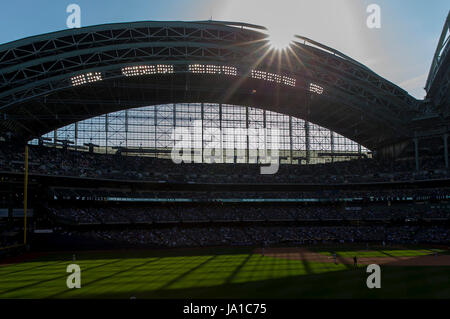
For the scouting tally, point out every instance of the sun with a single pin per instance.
(279, 38)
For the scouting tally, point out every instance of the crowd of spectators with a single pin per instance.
(268, 235)
(205, 212)
(66, 162)
(10, 236)
(321, 195)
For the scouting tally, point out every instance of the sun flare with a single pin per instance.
(280, 39)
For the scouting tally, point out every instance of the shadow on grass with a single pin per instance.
(389, 255)
(238, 269)
(141, 253)
(112, 275)
(37, 283)
(344, 284)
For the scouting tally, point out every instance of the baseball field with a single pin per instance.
(295, 272)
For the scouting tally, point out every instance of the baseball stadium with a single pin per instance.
(198, 159)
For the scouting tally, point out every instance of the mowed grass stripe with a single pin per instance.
(19, 286)
(113, 272)
(151, 276)
(25, 266)
(243, 275)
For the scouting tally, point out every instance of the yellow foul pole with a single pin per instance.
(25, 197)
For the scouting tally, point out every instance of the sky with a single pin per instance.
(401, 50)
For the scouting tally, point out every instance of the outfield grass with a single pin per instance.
(212, 274)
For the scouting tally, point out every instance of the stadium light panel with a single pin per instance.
(289, 81)
(138, 70)
(212, 69)
(147, 69)
(86, 78)
(315, 88)
(272, 77)
(164, 68)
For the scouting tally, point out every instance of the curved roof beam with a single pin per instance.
(38, 70)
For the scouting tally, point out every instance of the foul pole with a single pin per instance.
(25, 197)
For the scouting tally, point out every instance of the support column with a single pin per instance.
(332, 145)
(291, 153)
(307, 128)
(126, 128)
(174, 118)
(76, 135)
(202, 115)
(416, 152)
(155, 124)
(445, 137)
(106, 132)
(222, 150)
(266, 151)
(248, 139)
(307, 142)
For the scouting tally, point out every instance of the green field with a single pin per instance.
(214, 273)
